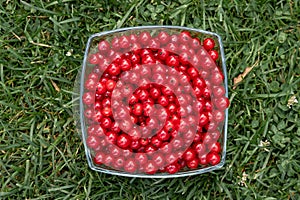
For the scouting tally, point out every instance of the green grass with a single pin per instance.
(41, 154)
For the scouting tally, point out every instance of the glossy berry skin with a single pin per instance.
(215, 147)
(172, 168)
(193, 164)
(88, 98)
(144, 38)
(189, 154)
(185, 37)
(130, 165)
(124, 42)
(103, 47)
(99, 158)
(213, 158)
(213, 54)
(93, 142)
(150, 167)
(221, 103)
(163, 37)
(123, 141)
(172, 61)
(106, 122)
(208, 44)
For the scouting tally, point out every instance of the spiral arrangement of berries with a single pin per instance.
(154, 102)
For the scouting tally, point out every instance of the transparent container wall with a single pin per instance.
(153, 102)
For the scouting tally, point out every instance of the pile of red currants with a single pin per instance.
(154, 102)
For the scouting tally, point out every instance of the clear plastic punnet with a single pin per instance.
(152, 102)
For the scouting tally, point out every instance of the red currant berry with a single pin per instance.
(213, 158)
(124, 42)
(130, 165)
(193, 164)
(93, 142)
(189, 154)
(163, 37)
(172, 61)
(103, 47)
(208, 44)
(99, 158)
(105, 122)
(144, 38)
(215, 147)
(88, 98)
(172, 168)
(123, 141)
(213, 54)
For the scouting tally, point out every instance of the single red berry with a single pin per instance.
(215, 147)
(88, 113)
(203, 159)
(99, 158)
(195, 43)
(123, 141)
(208, 44)
(125, 64)
(114, 69)
(94, 58)
(218, 91)
(156, 142)
(216, 78)
(144, 141)
(172, 47)
(111, 137)
(193, 164)
(162, 54)
(213, 158)
(213, 54)
(199, 148)
(148, 59)
(103, 47)
(163, 100)
(172, 61)
(185, 37)
(144, 38)
(124, 42)
(130, 165)
(203, 119)
(133, 37)
(192, 72)
(110, 85)
(163, 135)
(141, 158)
(150, 167)
(106, 111)
(218, 115)
(90, 84)
(185, 58)
(114, 151)
(221, 103)
(88, 98)
(163, 37)
(172, 168)
(105, 122)
(154, 44)
(93, 141)
(135, 144)
(189, 154)
(135, 58)
(137, 109)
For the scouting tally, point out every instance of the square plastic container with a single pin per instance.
(153, 102)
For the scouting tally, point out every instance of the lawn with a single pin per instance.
(41, 49)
